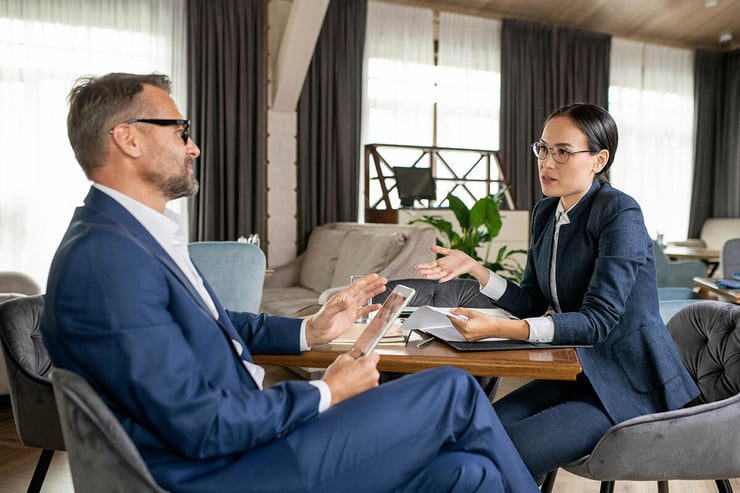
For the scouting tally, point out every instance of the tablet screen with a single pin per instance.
(382, 321)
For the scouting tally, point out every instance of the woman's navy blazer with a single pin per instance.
(606, 287)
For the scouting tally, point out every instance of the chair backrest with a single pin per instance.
(707, 335)
(235, 271)
(101, 454)
(730, 258)
(676, 273)
(18, 282)
(454, 293)
(28, 365)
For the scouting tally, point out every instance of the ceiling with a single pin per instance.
(681, 23)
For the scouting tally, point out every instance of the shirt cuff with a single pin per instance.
(496, 286)
(303, 341)
(541, 329)
(324, 392)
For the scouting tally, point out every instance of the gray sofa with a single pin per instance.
(337, 250)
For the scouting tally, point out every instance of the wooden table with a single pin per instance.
(707, 255)
(707, 288)
(549, 364)
(692, 253)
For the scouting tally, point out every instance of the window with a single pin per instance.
(421, 95)
(651, 97)
(44, 46)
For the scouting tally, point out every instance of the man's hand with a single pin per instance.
(347, 376)
(342, 309)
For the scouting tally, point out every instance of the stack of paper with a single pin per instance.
(435, 321)
(393, 338)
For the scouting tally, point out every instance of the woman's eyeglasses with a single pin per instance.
(559, 153)
(185, 134)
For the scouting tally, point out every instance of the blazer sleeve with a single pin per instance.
(121, 323)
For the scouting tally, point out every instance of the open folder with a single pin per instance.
(434, 321)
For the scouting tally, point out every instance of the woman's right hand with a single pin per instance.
(452, 264)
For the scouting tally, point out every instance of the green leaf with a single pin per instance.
(460, 210)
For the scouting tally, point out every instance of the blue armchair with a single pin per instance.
(676, 273)
(235, 271)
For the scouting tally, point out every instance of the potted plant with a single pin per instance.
(479, 225)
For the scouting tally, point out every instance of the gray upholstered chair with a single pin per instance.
(454, 293)
(31, 392)
(697, 442)
(235, 271)
(730, 257)
(676, 273)
(102, 457)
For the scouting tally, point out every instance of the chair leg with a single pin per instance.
(490, 386)
(40, 472)
(607, 487)
(549, 481)
(723, 485)
(662, 486)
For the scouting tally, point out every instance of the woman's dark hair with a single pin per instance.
(598, 126)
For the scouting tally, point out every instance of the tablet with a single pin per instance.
(382, 321)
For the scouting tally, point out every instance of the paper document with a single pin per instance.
(434, 321)
(393, 338)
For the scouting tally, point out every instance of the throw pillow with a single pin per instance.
(364, 253)
(320, 258)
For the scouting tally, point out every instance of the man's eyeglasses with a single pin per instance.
(559, 153)
(185, 135)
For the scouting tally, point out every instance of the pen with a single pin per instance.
(425, 342)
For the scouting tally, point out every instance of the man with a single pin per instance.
(126, 309)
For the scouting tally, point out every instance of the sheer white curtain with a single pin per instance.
(651, 97)
(44, 46)
(469, 81)
(468, 95)
(399, 89)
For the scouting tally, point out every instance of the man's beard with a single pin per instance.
(174, 187)
(180, 186)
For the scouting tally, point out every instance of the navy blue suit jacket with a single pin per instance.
(120, 312)
(607, 291)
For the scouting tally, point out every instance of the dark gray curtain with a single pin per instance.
(329, 114)
(542, 68)
(226, 102)
(716, 184)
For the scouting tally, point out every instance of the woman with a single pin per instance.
(589, 280)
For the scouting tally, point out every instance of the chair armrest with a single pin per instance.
(691, 443)
(328, 293)
(285, 275)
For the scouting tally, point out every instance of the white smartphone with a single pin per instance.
(382, 321)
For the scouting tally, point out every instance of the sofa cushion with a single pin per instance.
(365, 252)
(293, 301)
(320, 258)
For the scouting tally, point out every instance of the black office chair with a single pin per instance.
(694, 443)
(31, 391)
(453, 293)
